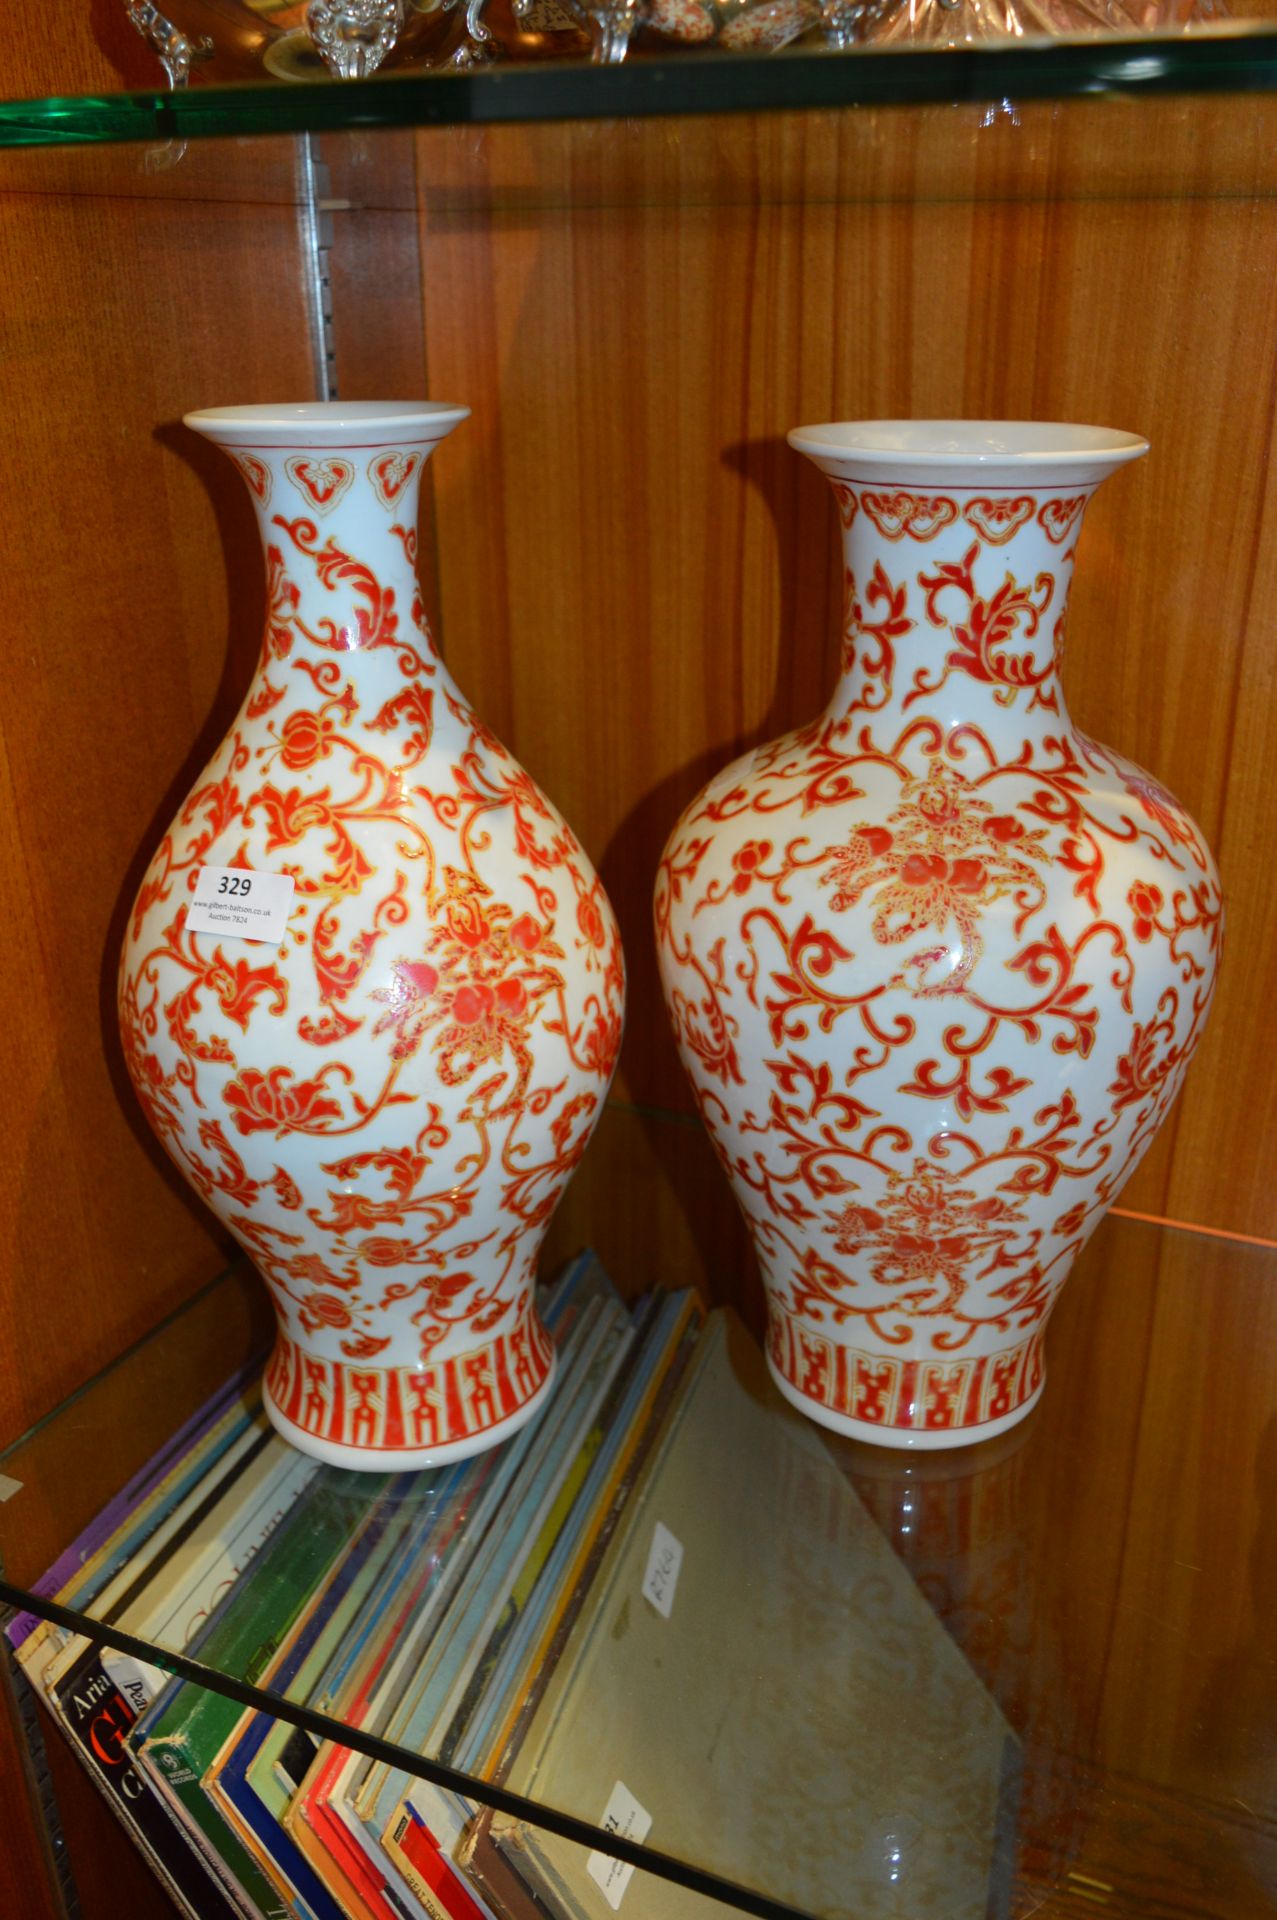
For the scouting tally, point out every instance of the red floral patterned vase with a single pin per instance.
(937, 962)
(384, 1104)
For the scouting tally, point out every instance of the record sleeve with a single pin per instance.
(427, 1821)
(186, 1453)
(163, 1590)
(374, 1686)
(184, 1727)
(265, 1761)
(757, 1687)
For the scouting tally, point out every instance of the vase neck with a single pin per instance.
(955, 600)
(336, 494)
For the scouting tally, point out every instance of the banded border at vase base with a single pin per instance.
(898, 1400)
(406, 1418)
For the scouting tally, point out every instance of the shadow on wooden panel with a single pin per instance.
(808, 569)
(246, 616)
(1236, 1710)
(620, 361)
(652, 1201)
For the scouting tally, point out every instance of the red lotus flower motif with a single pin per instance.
(305, 738)
(383, 1252)
(324, 1310)
(1145, 902)
(590, 920)
(273, 1102)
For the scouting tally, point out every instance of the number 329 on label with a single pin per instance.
(242, 903)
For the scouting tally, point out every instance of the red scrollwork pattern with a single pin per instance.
(936, 965)
(385, 1109)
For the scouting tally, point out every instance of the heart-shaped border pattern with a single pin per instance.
(256, 473)
(323, 481)
(390, 473)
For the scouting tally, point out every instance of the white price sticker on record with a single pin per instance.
(625, 1816)
(137, 1680)
(663, 1564)
(239, 902)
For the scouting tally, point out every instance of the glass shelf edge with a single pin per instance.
(649, 1860)
(690, 84)
(20, 1440)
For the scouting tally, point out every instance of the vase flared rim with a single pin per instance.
(329, 423)
(992, 451)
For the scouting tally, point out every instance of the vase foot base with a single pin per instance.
(403, 1419)
(908, 1438)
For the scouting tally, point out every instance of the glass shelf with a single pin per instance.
(1235, 58)
(1106, 1573)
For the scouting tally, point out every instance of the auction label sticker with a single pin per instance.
(245, 904)
(663, 1563)
(625, 1816)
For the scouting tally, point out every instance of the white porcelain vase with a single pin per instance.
(384, 1101)
(937, 962)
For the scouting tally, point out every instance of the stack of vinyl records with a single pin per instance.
(659, 1607)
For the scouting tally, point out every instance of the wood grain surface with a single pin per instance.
(28, 1878)
(134, 590)
(134, 605)
(1108, 1569)
(88, 48)
(638, 578)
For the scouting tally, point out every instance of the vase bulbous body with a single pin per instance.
(384, 1106)
(936, 963)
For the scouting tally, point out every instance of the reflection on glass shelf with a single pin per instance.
(1060, 1678)
(1096, 147)
(1235, 58)
(807, 1727)
(661, 1606)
